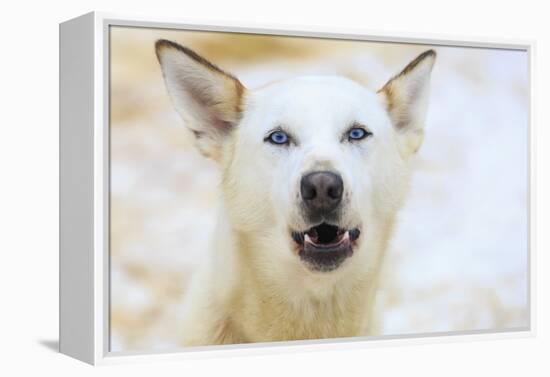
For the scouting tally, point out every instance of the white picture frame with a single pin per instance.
(84, 188)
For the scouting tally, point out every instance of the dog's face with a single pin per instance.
(314, 168)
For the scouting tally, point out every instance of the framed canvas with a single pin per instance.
(231, 189)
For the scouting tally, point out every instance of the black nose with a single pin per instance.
(321, 191)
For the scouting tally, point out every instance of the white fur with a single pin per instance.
(253, 286)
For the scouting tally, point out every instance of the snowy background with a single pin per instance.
(459, 258)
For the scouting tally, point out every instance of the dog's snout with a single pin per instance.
(321, 191)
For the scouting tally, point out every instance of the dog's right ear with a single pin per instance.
(208, 99)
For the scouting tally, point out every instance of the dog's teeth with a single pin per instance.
(298, 237)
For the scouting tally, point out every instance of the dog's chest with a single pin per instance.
(271, 318)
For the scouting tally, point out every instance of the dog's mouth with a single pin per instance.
(324, 247)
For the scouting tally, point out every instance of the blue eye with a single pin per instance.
(357, 134)
(278, 137)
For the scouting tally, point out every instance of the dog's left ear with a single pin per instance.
(207, 98)
(406, 99)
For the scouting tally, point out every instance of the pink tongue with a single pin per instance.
(313, 235)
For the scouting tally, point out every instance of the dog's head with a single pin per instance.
(314, 168)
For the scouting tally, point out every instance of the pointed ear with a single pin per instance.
(208, 99)
(406, 98)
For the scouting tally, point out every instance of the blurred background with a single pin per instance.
(459, 257)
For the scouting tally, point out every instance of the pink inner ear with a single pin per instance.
(223, 125)
(214, 101)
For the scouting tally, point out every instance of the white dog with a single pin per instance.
(314, 172)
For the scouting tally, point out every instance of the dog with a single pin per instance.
(314, 171)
